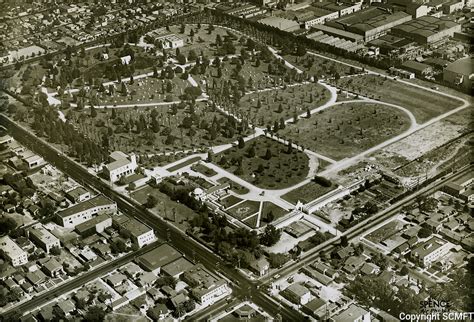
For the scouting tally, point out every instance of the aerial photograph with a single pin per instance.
(236, 160)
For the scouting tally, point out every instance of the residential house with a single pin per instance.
(159, 312)
(260, 266)
(146, 279)
(115, 279)
(369, 269)
(131, 270)
(64, 308)
(353, 313)
(36, 277)
(78, 194)
(178, 300)
(353, 264)
(53, 268)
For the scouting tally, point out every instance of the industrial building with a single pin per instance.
(460, 73)
(427, 30)
(371, 23)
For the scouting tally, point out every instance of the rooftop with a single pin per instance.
(177, 267)
(159, 257)
(352, 313)
(297, 289)
(92, 222)
(368, 19)
(428, 247)
(133, 226)
(97, 201)
(462, 66)
(10, 247)
(77, 192)
(43, 235)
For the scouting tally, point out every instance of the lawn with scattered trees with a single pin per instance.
(345, 130)
(265, 163)
(422, 103)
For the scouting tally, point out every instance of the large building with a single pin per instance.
(85, 210)
(280, 23)
(427, 30)
(13, 252)
(206, 287)
(371, 23)
(44, 239)
(460, 73)
(120, 165)
(139, 233)
(430, 251)
(158, 257)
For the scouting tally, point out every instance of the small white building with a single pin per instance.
(13, 252)
(120, 165)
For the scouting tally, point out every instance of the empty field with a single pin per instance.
(347, 129)
(422, 103)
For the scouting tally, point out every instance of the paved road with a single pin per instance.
(190, 248)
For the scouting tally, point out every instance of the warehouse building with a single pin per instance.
(427, 30)
(371, 23)
(460, 73)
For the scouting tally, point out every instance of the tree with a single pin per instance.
(344, 241)
(268, 154)
(270, 236)
(151, 201)
(55, 251)
(7, 225)
(95, 314)
(277, 260)
(93, 111)
(166, 281)
(424, 232)
(118, 247)
(193, 91)
(404, 271)
(251, 151)
(241, 143)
